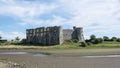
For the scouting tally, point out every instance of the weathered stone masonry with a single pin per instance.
(53, 35)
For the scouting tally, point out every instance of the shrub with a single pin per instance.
(98, 40)
(87, 40)
(83, 44)
(75, 40)
(89, 43)
(93, 41)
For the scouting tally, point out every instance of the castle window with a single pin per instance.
(30, 34)
(37, 30)
(30, 31)
(37, 34)
(41, 30)
(47, 29)
(41, 34)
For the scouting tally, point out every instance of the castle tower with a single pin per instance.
(60, 35)
(79, 34)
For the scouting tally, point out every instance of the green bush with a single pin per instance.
(89, 43)
(83, 44)
(98, 40)
(75, 40)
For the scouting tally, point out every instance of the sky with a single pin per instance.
(99, 17)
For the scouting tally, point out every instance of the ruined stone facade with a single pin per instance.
(53, 35)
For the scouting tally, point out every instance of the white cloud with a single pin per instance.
(57, 20)
(86, 12)
(25, 11)
(91, 10)
(12, 35)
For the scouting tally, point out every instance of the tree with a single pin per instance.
(92, 37)
(0, 37)
(17, 38)
(105, 38)
(98, 40)
(113, 39)
(118, 40)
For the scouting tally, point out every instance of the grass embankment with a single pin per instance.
(66, 45)
(68, 48)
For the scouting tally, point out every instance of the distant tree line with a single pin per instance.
(95, 40)
(6, 42)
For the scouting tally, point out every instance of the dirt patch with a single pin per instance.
(3, 65)
(9, 64)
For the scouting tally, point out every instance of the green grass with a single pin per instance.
(76, 51)
(107, 44)
(3, 59)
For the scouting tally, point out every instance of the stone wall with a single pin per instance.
(30, 35)
(67, 34)
(45, 36)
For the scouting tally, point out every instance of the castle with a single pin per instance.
(53, 35)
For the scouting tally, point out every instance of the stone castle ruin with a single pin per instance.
(53, 35)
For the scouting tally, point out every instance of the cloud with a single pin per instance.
(99, 17)
(12, 35)
(104, 13)
(91, 10)
(26, 11)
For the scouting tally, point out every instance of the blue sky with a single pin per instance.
(99, 17)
